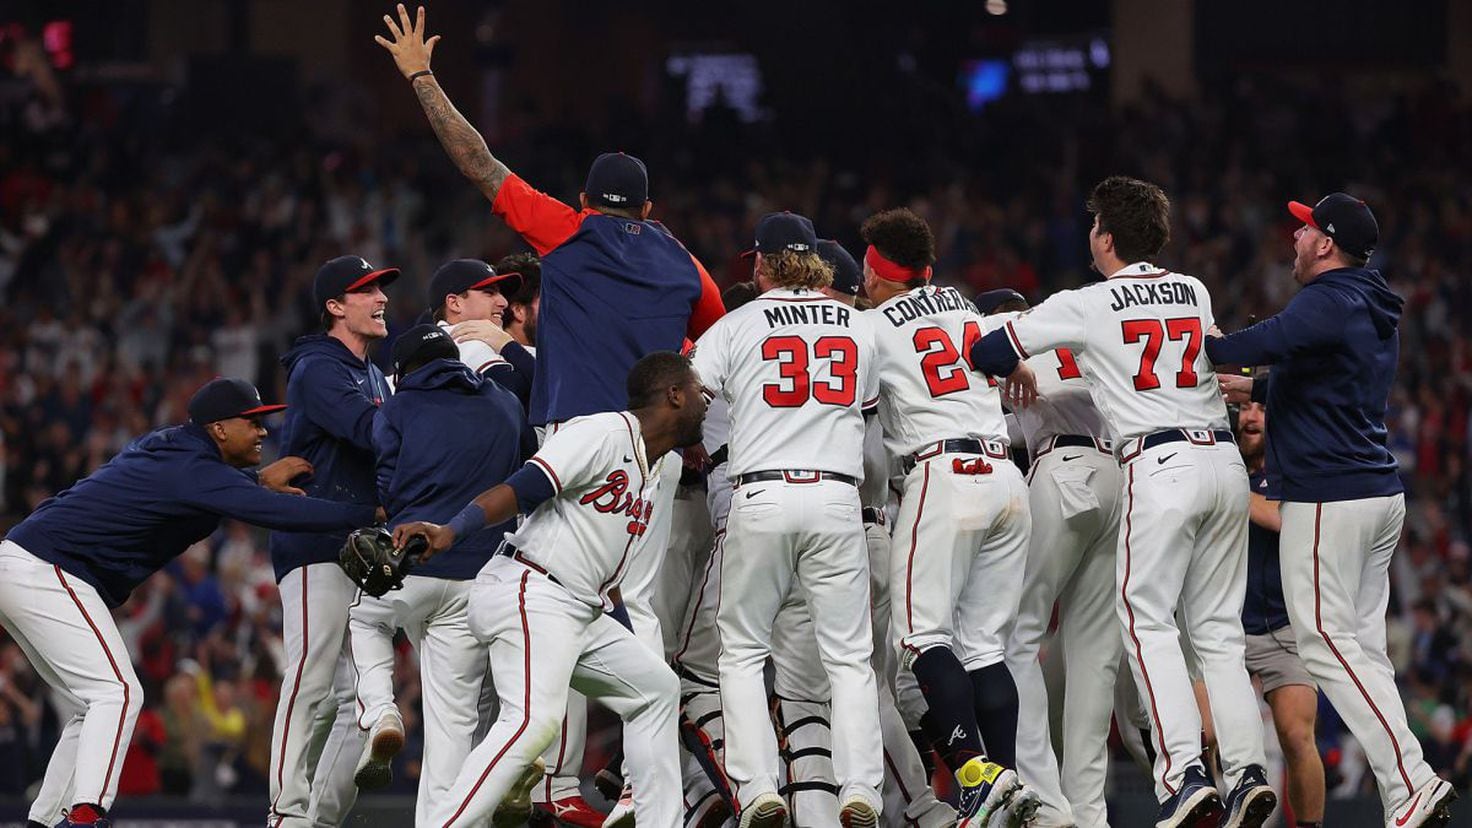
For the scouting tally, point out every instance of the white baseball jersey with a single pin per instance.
(585, 534)
(474, 353)
(1064, 404)
(716, 431)
(922, 338)
(1137, 339)
(795, 367)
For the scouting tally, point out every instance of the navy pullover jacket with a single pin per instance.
(167, 490)
(445, 437)
(1265, 608)
(331, 397)
(1333, 351)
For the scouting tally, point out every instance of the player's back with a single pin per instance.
(1137, 338)
(1064, 406)
(929, 390)
(795, 366)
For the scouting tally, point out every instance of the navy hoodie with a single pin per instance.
(167, 490)
(331, 397)
(446, 436)
(1334, 351)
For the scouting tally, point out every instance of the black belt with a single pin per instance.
(795, 476)
(1048, 445)
(872, 515)
(720, 455)
(1172, 435)
(967, 445)
(520, 557)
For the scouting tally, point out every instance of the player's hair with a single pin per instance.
(530, 268)
(1136, 213)
(1011, 305)
(652, 375)
(791, 269)
(738, 294)
(903, 237)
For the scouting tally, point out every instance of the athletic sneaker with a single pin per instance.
(385, 740)
(1250, 803)
(1430, 805)
(1195, 804)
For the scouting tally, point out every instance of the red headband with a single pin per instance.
(892, 271)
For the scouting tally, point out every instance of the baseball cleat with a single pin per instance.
(986, 789)
(710, 812)
(622, 815)
(385, 740)
(1430, 806)
(609, 782)
(516, 806)
(767, 810)
(1195, 804)
(1250, 803)
(572, 811)
(1020, 811)
(858, 812)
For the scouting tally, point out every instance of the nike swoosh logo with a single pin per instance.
(628, 459)
(1162, 460)
(750, 495)
(1402, 820)
(1067, 457)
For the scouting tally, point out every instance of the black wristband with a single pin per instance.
(417, 75)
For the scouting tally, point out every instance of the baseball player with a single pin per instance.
(1137, 339)
(801, 694)
(468, 298)
(443, 437)
(540, 604)
(615, 286)
(525, 301)
(961, 534)
(333, 391)
(80, 554)
(1074, 487)
(1334, 350)
(796, 369)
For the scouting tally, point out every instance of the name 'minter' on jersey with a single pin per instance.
(1137, 338)
(1064, 405)
(795, 367)
(923, 339)
(585, 534)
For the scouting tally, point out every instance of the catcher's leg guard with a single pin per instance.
(805, 740)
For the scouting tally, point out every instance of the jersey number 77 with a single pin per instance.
(1153, 332)
(791, 353)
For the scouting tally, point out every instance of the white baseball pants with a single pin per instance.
(1075, 506)
(318, 683)
(542, 640)
(1336, 579)
(1183, 543)
(67, 632)
(434, 614)
(698, 642)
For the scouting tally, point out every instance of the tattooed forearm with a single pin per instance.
(465, 146)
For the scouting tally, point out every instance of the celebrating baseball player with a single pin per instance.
(1137, 339)
(796, 368)
(1334, 350)
(540, 604)
(961, 534)
(525, 301)
(445, 436)
(79, 555)
(469, 299)
(333, 391)
(1074, 489)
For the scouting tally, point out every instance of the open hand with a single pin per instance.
(483, 330)
(410, 50)
(1020, 389)
(278, 476)
(1236, 389)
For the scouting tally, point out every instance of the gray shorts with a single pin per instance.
(1273, 659)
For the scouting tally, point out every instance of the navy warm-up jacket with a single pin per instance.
(331, 397)
(167, 490)
(1333, 350)
(444, 437)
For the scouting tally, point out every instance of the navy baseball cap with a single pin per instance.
(225, 397)
(776, 232)
(346, 274)
(846, 274)
(617, 179)
(989, 300)
(1343, 218)
(420, 344)
(460, 275)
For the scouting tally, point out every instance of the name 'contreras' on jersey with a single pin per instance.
(1137, 338)
(585, 534)
(795, 367)
(1064, 405)
(930, 393)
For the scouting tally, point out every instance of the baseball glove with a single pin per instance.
(371, 561)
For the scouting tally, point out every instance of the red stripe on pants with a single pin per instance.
(118, 674)
(1124, 593)
(296, 687)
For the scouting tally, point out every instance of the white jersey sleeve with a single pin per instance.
(577, 454)
(1064, 405)
(710, 357)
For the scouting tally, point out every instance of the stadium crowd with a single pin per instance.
(132, 271)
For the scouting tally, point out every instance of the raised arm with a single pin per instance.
(465, 146)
